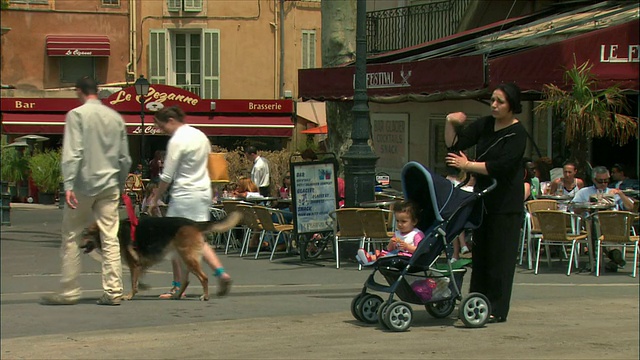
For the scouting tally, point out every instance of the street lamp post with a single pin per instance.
(360, 161)
(142, 89)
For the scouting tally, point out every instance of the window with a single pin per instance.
(189, 60)
(110, 3)
(186, 5)
(308, 49)
(73, 68)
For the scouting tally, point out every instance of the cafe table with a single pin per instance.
(588, 211)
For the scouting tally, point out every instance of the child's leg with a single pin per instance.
(463, 243)
(456, 248)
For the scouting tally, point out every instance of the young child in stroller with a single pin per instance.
(406, 238)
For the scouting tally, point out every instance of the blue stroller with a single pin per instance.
(419, 279)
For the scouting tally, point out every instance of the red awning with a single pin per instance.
(316, 130)
(275, 126)
(418, 77)
(613, 52)
(77, 45)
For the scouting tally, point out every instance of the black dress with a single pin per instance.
(496, 241)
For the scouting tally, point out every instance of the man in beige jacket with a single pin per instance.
(95, 164)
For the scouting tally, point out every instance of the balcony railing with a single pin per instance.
(397, 28)
(193, 88)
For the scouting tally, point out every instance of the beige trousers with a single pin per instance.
(104, 210)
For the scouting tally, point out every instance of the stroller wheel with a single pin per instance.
(382, 313)
(354, 306)
(441, 309)
(475, 310)
(398, 316)
(367, 308)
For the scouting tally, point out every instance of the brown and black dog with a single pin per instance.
(158, 237)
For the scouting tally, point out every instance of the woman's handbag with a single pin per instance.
(218, 167)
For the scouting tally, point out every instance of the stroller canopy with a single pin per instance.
(440, 200)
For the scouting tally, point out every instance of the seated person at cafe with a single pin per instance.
(600, 181)
(619, 180)
(568, 182)
(246, 187)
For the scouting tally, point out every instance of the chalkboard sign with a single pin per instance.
(314, 195)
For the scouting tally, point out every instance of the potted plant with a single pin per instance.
(587, 112)
(14, 169)
(46, 174)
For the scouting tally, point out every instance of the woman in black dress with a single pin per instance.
(500, 140)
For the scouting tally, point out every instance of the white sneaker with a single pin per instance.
(452, 260)
(464, 250)
(362, 257)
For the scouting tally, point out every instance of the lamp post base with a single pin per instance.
(359, 175)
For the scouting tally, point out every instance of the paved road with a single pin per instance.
(285, 309)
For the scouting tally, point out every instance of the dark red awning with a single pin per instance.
(77, 45)
(613, 52)
(419, 77)
(275, 126)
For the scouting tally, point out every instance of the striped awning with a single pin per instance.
(77, 45)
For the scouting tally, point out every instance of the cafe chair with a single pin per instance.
(531, 227)
(271, 230)
(217, 215)
(230, 206)
(615, 231)
(252, 226)
(347, 226)
(555, 226)
(374, 225)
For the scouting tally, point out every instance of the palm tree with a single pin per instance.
(588, 113)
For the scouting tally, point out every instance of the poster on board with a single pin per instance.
(314, 187)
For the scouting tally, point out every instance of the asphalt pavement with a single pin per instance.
(291, 310)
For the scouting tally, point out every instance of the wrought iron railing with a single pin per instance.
(397, 28)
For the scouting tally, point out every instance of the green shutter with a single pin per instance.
(158, 57)
(211, 75)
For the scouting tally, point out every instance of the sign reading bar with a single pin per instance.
(314, 195)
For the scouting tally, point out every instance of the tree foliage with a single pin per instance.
(4, 4)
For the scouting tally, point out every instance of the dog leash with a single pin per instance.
(133, 219)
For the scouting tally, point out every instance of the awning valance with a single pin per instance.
(463, 73)
(78, 45)
(613, 52)
(316, 130)
(275, 126)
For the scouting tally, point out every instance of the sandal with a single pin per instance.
(169, 294)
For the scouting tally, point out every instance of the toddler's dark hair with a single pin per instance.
(408, 207)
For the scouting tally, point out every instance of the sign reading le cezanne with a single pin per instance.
(160, 96)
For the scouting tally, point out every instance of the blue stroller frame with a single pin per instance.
(446, 212)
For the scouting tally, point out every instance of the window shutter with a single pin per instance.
(312, 50)
(211, 66)
(193, 5)
(305, 55)
(174, 5)
(158, 57)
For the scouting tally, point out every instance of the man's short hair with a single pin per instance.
(599, 170)
(619, 167)
(87, 85)
(250, 150)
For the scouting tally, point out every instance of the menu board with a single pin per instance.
(314, 195)
(391, 141)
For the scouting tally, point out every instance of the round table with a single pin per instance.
(588, 208)
(555, 197)
(377, 203)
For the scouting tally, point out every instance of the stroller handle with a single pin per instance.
(491, 187)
